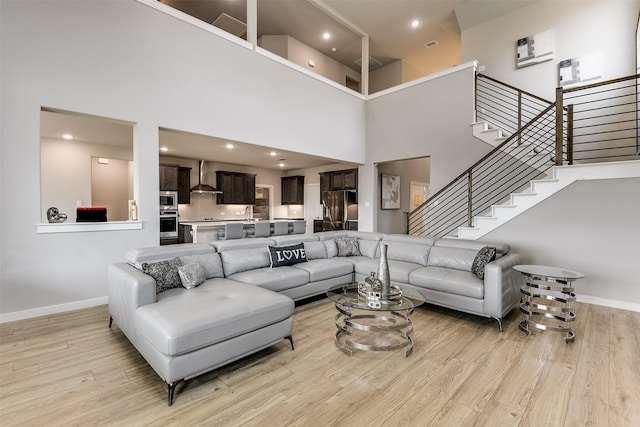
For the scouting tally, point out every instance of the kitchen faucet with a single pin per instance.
(248, 212)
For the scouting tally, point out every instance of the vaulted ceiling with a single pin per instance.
(387, 22)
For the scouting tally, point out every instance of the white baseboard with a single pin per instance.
(52, 309)
(78, 305)
(623, 305)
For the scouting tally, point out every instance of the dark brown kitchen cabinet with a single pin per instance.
(168, 177)
(292, 190)
(325, 183)
(346, 179)
(184, 185)
(237, 188)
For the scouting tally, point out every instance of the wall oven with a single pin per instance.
(168, 225)
(168, 201)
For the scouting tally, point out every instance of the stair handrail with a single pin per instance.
(504, 109)
(524, 92)
(445, 208)
(507, 141)
(578, 92)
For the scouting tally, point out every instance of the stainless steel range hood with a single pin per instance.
(203, 188)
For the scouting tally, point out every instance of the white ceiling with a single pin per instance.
(99, 130)
(386, 21)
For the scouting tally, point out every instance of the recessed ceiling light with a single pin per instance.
(281, 165)
(164, 149)
(273, 153)
(229, 146)
(333, 49)
(326, 36)
(415, 23)
(67, 136)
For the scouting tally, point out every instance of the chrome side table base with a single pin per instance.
(372, 325)
(373, 332)
(547, 298)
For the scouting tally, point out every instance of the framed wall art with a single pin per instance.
(389, 191)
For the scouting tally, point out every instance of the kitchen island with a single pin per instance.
(206, 231)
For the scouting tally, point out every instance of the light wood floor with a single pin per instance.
(70, 369)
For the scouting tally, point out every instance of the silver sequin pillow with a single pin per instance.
(348, 246)
(165, 273)
(191, 275)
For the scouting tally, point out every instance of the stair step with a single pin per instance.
(498, 132)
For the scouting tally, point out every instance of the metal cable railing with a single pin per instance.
(589, 124)
(506, 169)
(505, 107)
(603, 121)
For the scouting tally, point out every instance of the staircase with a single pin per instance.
(530, 153)
(539, 190)
(541, 147)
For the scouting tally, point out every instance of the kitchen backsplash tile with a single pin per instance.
(204, 206)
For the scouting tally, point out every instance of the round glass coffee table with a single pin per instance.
(546, 298)
(372, 325)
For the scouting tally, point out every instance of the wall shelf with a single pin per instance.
(76, 227)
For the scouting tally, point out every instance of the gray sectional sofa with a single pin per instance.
(244, 304)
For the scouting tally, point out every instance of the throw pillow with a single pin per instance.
(211, 263)
(287, 255)
(315, 250)
(191, 275)
(348, 246)
(484, 257)
(165, 273)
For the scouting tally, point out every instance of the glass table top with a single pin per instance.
(547, 271)
(348, 296)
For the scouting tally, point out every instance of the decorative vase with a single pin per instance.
(383, 272)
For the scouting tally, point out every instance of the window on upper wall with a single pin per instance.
(230, 16)
(309, 37)
(298, 31)
(85, 161)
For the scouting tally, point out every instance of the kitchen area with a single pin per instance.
(198, 198)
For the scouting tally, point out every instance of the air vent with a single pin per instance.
(373, 63)
(431, 44)
(230, 25)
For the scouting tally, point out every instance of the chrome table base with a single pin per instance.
(372, 323)
(547, 298)
(373, 332)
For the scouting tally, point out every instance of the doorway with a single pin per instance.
(414, 189)
(312, 206)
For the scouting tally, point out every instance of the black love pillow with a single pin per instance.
(287, 255)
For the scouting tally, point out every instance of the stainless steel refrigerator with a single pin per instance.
(339, 208)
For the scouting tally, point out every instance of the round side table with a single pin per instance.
(372, 326)
(546, 298)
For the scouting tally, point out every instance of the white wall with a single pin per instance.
(299, 53)
(591, 227)
(127, 61)
(394, 221)
(156, 71)
(431, 118)
(66, 173)
(579, 28)
(392, 74)
(385, 77)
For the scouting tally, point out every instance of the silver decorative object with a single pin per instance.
(383, 273)
(54, 215)
(377, 290)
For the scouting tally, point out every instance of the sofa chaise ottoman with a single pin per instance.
(183, 333)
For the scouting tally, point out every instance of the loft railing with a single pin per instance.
(593, 123)
(506, 169)
(505, 106)
(601, 121)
